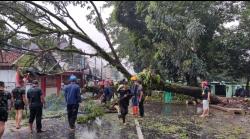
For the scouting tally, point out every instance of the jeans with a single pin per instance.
(72, 114)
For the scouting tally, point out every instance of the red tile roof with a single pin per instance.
(8, 58)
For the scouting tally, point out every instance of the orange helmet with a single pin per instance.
(133, 78)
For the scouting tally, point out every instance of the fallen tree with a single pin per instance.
(41, 22)
(151, 81)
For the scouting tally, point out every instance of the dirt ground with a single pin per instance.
(161, 121)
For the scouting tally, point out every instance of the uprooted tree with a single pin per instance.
(37, 22)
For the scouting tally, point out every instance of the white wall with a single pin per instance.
(9, 78)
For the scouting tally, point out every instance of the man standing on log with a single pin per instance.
(72, 98)
(206, 92)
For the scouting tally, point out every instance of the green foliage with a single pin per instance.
(12, 114)
(149, 78)
(92, 111)
(176, 38)
(55, 103)
(181, 99)
(25, 61)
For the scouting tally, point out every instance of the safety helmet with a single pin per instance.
(133, 78)
(72, 78)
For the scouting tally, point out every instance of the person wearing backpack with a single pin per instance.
(4, 108)
(36, 104)
(18, 96)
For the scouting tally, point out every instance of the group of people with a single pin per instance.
(17, 99)
(135, 93)
(35, 102)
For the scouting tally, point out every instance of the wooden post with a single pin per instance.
(43, 85)
(58, 85)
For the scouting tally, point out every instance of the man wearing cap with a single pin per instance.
(72, 98)
(205, 98)
(36, 103)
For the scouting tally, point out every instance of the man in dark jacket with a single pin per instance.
(36, 103)
(72, 98)
(4, 97)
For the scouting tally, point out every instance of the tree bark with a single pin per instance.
(191, 80)
(247, 83)
(195, 92)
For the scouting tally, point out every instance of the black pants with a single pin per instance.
(141, 108)
(36, 112)
(72, 114)
(124, 111)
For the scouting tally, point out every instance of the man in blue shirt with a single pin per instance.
(72, 98)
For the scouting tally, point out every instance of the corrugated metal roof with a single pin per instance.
(8, 58)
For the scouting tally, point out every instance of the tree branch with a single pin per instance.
(27, 18)
(70, 50)
(104, 31)
(51, 14)
(49, 49)
(67, 12)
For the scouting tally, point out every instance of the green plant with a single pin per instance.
(179, 98)
(92, 111)
(55, 103)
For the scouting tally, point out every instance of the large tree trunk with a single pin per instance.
(191, 80)
(247, 83)
(195, 92)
